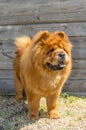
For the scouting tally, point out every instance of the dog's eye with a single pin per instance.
(50, 51)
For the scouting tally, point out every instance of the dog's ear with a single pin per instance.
(41, 36)
(62, 35)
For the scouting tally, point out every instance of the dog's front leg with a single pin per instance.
(52, 106)
(33, 104)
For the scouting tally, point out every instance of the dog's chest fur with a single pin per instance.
(49, 83)
(54, 82)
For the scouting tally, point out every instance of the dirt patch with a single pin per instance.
(13, 115)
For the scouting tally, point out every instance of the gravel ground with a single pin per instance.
(13, 115)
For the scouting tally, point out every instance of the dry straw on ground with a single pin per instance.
(13, 115)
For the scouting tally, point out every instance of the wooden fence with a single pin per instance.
(23, 17)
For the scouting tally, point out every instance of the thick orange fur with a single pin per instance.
(32, 74)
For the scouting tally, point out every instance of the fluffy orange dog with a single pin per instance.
(41, 67)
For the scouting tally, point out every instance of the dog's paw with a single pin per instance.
(19, 98)
(53, 114)
(32, 117)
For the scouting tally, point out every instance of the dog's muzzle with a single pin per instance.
(60, 66)
(61, 63)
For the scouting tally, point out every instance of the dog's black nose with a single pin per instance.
(62, 55)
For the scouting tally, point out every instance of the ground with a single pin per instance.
(72, 110)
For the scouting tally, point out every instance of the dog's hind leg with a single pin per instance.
(19, 87)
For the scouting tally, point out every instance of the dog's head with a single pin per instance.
(51, 51)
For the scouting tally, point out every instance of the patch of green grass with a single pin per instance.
(64, 95)
(43, 109)
(6, 125)
(43, 113)
(68, 98)
(72, 99)
(70, 113)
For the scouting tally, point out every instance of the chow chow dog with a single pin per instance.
(41, 67)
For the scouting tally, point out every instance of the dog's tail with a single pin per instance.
(22, 43)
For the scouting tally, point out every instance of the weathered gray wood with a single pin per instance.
(75, 86)
(77, 64)
(5, 65)
(7, 49)
(3, 58)
(82, 94)
(75, 74)
(72, 29)
(77, 53)
(24, 12)
(7, 87)
(79, 60)
(78, 74)
(8, 45)
(6, 74)
(77, 42)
